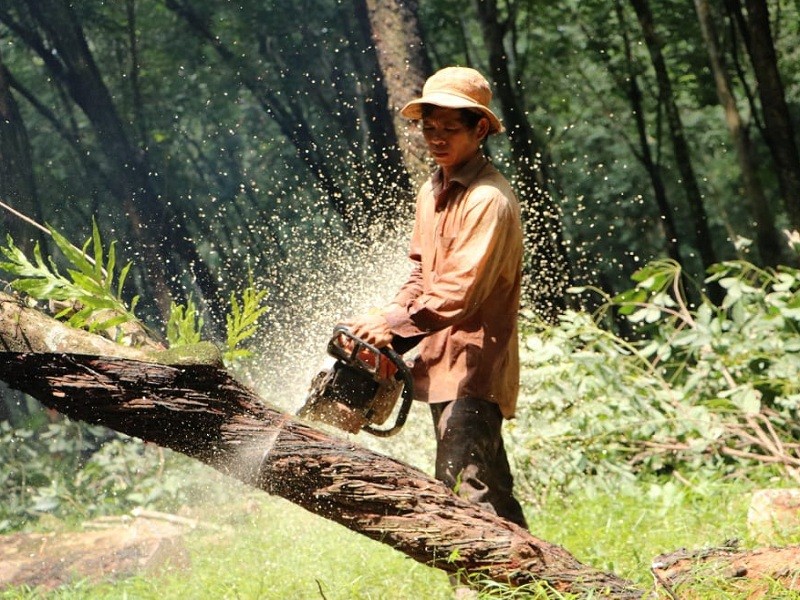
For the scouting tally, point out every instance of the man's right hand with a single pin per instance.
(372, 328)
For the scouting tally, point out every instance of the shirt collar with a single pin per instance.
(470, 170)
(463, 177)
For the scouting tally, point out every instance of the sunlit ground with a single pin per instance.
(253, 546)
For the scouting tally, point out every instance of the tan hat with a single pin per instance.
(456, 87)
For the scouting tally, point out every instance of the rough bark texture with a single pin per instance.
(680, 145)
(754, 568)
(397, 36)
(199, 410)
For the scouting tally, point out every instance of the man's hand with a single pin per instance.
(372, 328)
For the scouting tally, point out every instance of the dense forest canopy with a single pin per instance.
(222, 140)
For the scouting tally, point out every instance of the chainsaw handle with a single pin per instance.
(351, 356)
(403, 372)
(402, 414)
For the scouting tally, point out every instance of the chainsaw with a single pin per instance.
(361, 389)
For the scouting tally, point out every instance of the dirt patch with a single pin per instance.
(107, 549)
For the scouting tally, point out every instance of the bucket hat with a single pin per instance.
(455, 87)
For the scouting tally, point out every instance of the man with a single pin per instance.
(462, 297)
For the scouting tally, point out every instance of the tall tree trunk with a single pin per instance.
(630, 81)
(396, 34)
(680, 146)
(547, 266)
(767, 238)
(17, 183)
(780, 130)
(199, 410)
(386, 143)
(17, 190)
(159, 233)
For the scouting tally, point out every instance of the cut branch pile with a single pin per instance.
(753, 437)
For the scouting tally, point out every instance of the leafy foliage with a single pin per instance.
(93, 300)
(706, 388)
(184, 324)
(242, 322)
(92, 304)
(72, 470)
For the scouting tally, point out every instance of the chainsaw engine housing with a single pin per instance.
(361, 389)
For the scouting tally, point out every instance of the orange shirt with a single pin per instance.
(464, 289)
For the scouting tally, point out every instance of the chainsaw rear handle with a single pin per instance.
(403, 373)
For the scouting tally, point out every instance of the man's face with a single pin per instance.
(450, 142)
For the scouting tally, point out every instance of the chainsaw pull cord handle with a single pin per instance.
(403, 373)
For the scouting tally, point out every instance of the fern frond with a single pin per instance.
(242, 322)
(184, 325)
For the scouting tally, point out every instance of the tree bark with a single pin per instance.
(199, 410)
(777, 120)
(767, 238)
(395, 31)
(760, 566)
(195, 407)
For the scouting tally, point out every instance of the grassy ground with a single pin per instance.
(266, 548)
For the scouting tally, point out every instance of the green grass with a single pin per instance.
(623, 530)
(266, 548)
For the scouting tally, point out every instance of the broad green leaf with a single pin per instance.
(73, 255)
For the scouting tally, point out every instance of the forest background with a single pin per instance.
(226, 144)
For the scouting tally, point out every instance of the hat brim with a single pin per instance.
(413, 110)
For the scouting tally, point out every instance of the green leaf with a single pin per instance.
(747, 400)
(72, 254)
(112, 322)
(242, 321)
(98, 251)
(111, 263)
(123, 275)
(184, 325)
(88, 284)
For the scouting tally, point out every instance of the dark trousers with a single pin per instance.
(471, 458)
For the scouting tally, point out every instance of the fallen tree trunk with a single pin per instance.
(201, 411)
